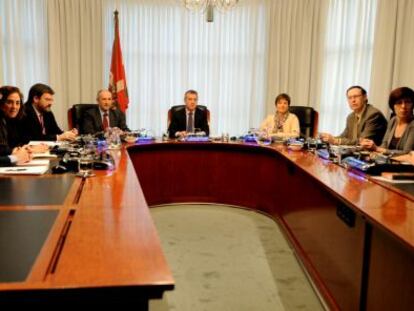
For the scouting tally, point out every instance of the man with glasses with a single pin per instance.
(364, 121)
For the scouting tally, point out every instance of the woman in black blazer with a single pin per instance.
(11, 136)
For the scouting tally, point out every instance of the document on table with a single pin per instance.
(25, 170)
(37, 162)
(46, 154)
(44, 142)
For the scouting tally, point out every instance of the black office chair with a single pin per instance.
(180, 107)
(75, 115)
(308, 120)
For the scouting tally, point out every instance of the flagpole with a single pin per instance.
(117, 77)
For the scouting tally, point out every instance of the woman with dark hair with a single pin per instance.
(10, 113)
(399, 137)
(282, 124)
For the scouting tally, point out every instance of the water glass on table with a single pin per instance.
(85, 164)
(113, 138)
(225, 137)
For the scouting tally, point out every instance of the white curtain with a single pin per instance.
(76, 53)
(393, 60)
(24, 43)
(348, 57)
(312, 49)
(168, 50)
(296, 42)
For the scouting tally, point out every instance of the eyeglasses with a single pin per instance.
(351, 97)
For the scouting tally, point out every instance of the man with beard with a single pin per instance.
(40, 123)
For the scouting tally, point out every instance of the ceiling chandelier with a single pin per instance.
(208, 6)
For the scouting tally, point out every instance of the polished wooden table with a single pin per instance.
(103, 247)
(354, 236)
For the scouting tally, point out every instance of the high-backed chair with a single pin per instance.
(75, 115)
(308, 119)
(180, 107)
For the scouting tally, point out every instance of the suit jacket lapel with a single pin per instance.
(183, 117)
(363, 118)
(197, 117)
(112, 118)
(35, 118)
(3, 132)
(98, 119)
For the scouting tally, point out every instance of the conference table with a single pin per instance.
(353, 235)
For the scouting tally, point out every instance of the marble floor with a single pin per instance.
(226, 258)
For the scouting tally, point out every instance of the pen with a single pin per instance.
(15, 170)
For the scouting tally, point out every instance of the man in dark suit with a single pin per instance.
(365, 121)
(39, 121)
(188, 119)
(103, 116)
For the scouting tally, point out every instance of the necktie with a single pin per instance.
(190, 122)
(42, 124)
(355, 133)
(105, 121)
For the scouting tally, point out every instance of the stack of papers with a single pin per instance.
(34, 167)
(43, 162)
(24, 170)
(47, 143)
(46, 154)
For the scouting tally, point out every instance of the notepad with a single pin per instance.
(44, 155)
(44, 142)
(26, 170)
(37, 162)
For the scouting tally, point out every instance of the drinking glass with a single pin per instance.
(165, 136)
(131, 137)
(225, 137)
(85, 164)
(113, 138)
